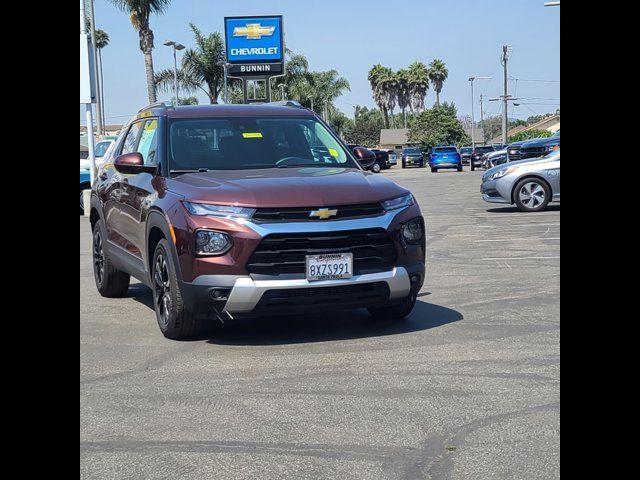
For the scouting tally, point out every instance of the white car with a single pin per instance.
(100, 149)
(492, 159)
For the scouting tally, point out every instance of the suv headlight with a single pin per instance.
(412, 231)
(219, 210)
(210, 242)
(501, 173)
(398, 202)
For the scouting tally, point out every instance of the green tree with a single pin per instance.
(139, 12)
(200, 69)
(294, 80)
(418, 79)
(438, 73)
(438, 126)
(187, 100)
(319, 90)
(365, 130)
(527, 134)
(339, 121)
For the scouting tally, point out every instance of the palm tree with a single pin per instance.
(296, 68)
(383, 85)
(403, 93)
(418, 79)
(438, 73)
(102, 40)
(201, 68)
(139, 12)
(319, 90)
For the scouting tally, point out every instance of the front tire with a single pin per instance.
(531, 195)
(110, 281)
(174, 318)
(459, 168)
(396, 311)
(434, 170)
(473, 167)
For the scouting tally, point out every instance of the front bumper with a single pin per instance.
(494, 191)
(245, 295)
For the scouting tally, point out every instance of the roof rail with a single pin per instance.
(286, 103)
(156, 104)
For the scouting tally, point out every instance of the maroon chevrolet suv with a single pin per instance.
(229, 211)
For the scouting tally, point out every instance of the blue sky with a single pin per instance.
(352, 35)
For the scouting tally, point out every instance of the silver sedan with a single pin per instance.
(529, 184)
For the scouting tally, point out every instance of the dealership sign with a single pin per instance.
(255, 46)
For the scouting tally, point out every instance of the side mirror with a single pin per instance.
(132, 163)
(365, 157)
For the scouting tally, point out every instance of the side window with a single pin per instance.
(131, 140)
(149, 141)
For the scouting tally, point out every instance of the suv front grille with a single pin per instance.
(302, 214)
(308, 299)
(283, 253)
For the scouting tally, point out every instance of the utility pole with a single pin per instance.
(481, 111)
(87, 101)
(473, 139)
(505, 99)
(99, 125)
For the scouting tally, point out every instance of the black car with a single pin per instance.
(384, 159)
(539, 147)
(412, 156)
(513, 151)
(465, 153)
(478, 152)
(366, 158)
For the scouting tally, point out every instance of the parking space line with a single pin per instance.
(516, 239)
(521, 258)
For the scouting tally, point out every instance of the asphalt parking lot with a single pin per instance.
(466, 388)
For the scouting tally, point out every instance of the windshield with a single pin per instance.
(238, 143)
(445, 150)
(553, 153)
(484, 149)
(466, 150)
(101, 148)
(412, 151)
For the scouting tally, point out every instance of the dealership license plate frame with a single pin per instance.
(331, 260)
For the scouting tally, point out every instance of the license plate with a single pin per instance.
(329, 266)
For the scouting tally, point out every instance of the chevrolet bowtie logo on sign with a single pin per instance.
(253, 31)
(323, 213)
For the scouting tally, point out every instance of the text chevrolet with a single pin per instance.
(227, 211)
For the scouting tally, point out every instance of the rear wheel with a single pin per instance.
(459, 168)
(434, 170)
(396, 311)
(376, 167)
(110, 281)
(404, 165)
(174, 318)
(531, 195)
(473, 167)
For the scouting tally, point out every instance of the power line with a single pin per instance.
(530, 80)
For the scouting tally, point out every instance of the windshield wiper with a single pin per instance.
(284, 165)
(196, 170)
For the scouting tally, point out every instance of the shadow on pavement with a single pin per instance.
(330, 326)
(550, 208)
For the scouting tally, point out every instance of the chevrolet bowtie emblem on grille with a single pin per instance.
(253, 31)
(323, 213)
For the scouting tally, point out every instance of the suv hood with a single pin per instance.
(541, 142)
(285, 187)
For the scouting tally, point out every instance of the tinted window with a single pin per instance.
(445, 150)
(466, 150)
(412, 151)
(245, 143)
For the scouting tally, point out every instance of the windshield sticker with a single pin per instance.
(252, 135)
(333, 152)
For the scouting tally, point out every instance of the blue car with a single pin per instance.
(85, 184)
(445, 157)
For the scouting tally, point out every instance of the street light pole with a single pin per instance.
(176, 46)
(95, 69)
(504, 60)
(473, 139)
